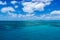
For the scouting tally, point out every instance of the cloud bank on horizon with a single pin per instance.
(30, 10)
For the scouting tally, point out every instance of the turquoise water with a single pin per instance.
(30, 30)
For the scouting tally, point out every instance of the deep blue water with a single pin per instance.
(29, 30)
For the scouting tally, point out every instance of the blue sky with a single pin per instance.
(29, 10)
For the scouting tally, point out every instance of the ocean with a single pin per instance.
(30, 30)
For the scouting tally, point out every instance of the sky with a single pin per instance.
(29, 10)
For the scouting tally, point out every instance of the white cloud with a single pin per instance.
(13, 15)
(35, 5)
(16, 6)
(7, 9)
(28, 7)
(14, 2)
(54, 15)
(56, 12)
(20, 15)
(3, 3)
(40, 6)
(26, 16)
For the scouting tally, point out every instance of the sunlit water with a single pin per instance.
(30, 32)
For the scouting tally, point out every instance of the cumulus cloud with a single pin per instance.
(35, 5)
(56, 12)
(16, 6)
(54, 15)
(26, 16)
(14, 2)
(7, 9)
(13, 15)
(3, 3)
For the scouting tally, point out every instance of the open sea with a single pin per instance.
(30, 30)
